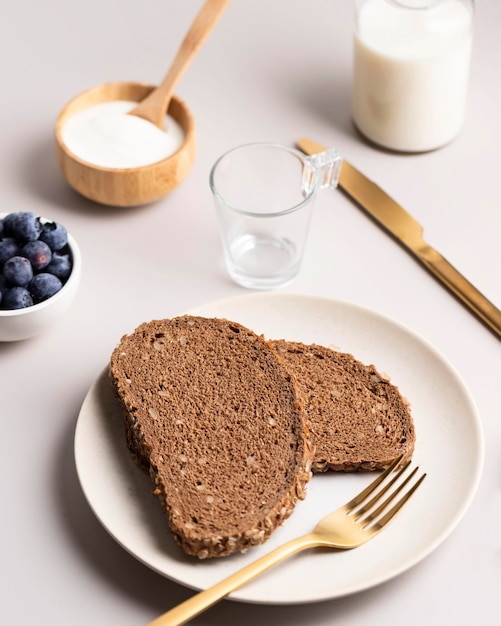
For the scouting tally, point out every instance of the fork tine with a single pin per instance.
(394, 493)
(367, 506)
(396, 508)
(359, 498)
(372, 515)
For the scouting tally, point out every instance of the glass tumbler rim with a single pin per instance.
(261, 144)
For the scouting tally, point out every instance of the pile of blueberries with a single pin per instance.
(35, 260)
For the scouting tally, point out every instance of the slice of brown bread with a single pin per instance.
(359, 420)
(217, 420)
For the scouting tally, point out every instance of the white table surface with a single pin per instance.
(271, 71)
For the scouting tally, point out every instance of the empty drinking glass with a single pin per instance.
(264, 195)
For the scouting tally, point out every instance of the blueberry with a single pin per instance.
(4, 285)
(17, 298)
(18, 271)
(7, 224)
(44, 286)
(26, 226)
(8, 248)
(1, 227)
(54, 235)
(38, 253)
(60, 265)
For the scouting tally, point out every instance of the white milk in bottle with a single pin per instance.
(410, 71)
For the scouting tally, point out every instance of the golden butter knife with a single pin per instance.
(395, 219)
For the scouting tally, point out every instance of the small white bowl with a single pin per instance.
(24, 323)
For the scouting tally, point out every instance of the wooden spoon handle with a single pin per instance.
(154, 107)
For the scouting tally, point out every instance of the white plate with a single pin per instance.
(449, 448)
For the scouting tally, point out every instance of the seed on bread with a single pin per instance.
(359, 419)
(217, 420)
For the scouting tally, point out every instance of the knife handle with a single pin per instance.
(460, 287)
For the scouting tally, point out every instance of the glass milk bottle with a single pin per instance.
(410, 72)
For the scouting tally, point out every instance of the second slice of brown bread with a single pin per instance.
(359, 420)
(217, 420)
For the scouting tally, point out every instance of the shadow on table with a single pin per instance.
(42, 177)
(327, 99)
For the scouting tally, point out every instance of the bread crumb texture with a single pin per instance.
(359, 419)
(218, 421)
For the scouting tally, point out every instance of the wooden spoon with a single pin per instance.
(154, 107)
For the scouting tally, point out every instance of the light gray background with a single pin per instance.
(271, 71)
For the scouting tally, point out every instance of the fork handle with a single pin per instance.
(205, 599)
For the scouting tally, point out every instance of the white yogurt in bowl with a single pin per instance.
(121, 160)
(105, 135)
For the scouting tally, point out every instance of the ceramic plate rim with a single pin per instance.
(264, 312)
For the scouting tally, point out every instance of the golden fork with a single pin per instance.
(359, 520)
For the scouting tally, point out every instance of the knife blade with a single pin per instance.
(407, 231)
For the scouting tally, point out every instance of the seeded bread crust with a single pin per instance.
(359, 420)
(217, 420)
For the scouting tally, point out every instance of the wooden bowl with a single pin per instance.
(128, 186)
